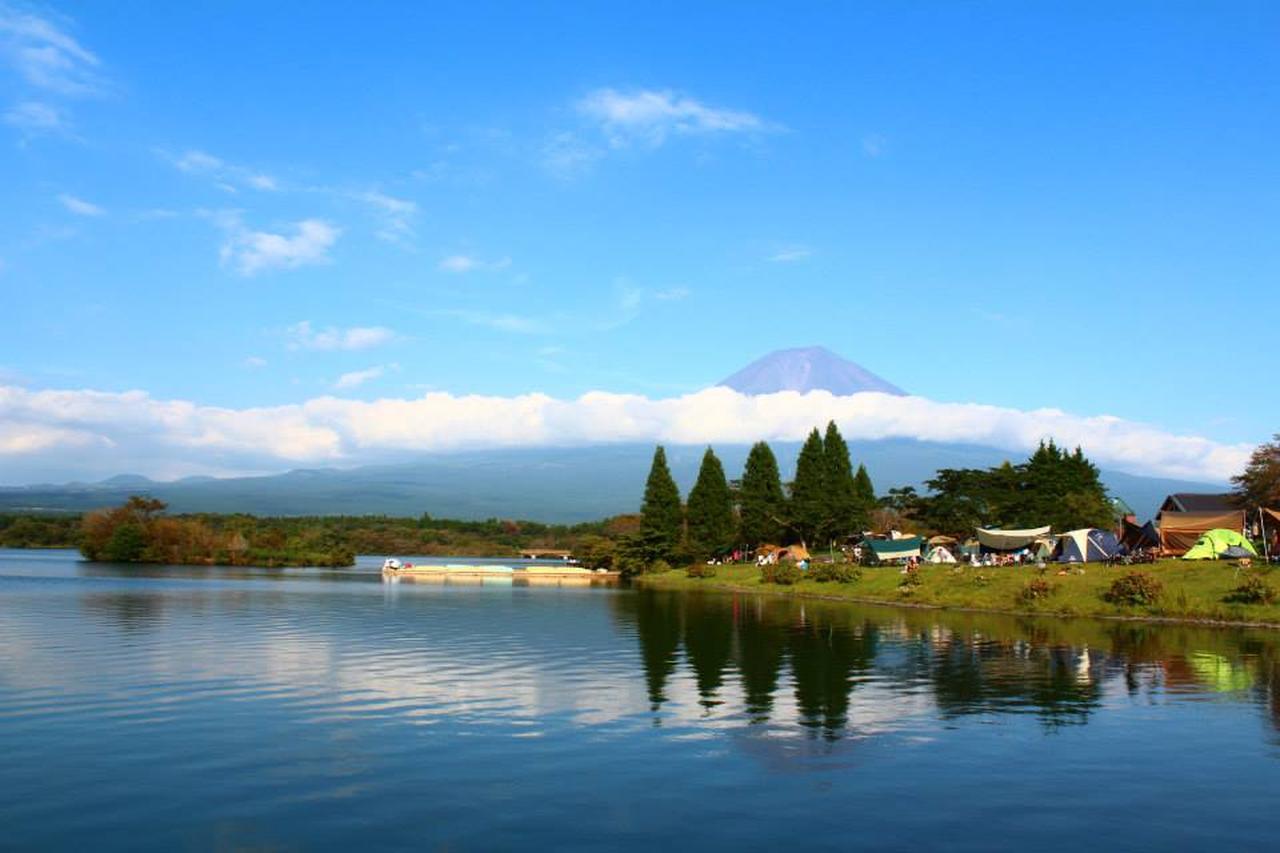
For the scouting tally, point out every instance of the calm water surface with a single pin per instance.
(189, 708)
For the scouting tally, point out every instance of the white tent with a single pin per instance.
(1010, 540)
(940, 555)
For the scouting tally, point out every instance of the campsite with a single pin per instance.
(1036, 537)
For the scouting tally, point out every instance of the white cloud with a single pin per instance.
(672, 294)
(651, 116)
(45, 55)
(874, 145)
(79, 206)
(251, 252)
(468, 263)
(356, 378)
(254, 362)
(226, 176)
(175, 433)
(303, 336)
(397, 214)
(790, 254)
(34, 117)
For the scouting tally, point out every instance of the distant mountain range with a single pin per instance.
(559, 484)
(546, 484)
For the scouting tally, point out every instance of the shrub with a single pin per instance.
(1254, 590)
(911, 580)
(629, 566)
(1035, 590)
(837, 572)
(700, 570)
(658, 567)
(1135, 588)
(783, 574)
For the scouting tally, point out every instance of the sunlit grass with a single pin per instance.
(1191, 589)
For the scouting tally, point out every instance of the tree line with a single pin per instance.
(827, 499)
(1053, 487)
(141, 531)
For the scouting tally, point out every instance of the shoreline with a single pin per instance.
(1193, 592)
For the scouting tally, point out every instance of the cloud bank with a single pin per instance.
(172, 437)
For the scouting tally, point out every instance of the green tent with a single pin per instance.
(1212, 543)
(895, 549)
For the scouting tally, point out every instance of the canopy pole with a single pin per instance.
(1266, 546)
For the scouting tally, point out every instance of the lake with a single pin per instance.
(164, 708)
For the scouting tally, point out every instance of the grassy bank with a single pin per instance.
(1191, 591)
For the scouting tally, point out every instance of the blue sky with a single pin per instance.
(1026, 205)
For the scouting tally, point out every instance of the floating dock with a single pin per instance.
(502, 574)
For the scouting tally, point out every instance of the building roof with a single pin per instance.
(1199, 502)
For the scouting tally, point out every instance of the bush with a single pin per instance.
(1035, 590)
(700, 570)
(837, 572)
(1254, 590)
(783, 574)
(658, 567)
(630, 566)
(911, 578)
(1135, 588)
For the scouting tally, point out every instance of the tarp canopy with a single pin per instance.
(949, 541)
(1274, 514)
(1009, 540)
(1087, 545)
(1044, 548)
(940, 554)
(1212, 544)
(1135, 536)
(793, 552)
(895, 549)
(1180, 530)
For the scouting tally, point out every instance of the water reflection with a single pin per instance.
(303, 708)
(857, 670)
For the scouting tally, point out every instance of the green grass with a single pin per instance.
(1193, 591)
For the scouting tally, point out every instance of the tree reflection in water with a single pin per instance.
(948, 665)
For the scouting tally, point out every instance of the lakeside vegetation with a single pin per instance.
(1170, 589)
(141, 531)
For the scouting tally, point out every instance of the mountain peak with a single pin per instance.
(807, 369)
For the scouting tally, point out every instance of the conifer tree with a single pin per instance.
(661, 516)
(710, 511)
(762, 504)
(839, 488)
(809, 507)
(865, 494)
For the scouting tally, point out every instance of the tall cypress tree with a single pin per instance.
(763, 506)
(808, 492)
(865, 493)
(841, 491)
(661, 516)
(710, 511)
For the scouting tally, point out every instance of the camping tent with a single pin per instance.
(1009, 540)
(895, 549)
(1133, 536)
(1043, 548)
(1180, 530)
(1212, 544)
(940, 554)
(947, 541)
(1087, 545)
